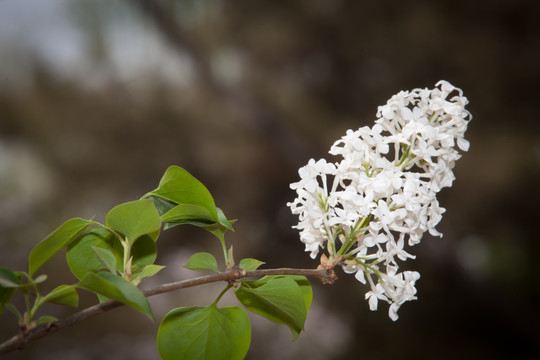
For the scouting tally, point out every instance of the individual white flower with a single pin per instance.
(374, 295)
(397, 249)
(311, 172)
(383, 191)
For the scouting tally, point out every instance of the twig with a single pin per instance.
(17, 342)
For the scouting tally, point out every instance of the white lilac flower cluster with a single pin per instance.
(382, 194)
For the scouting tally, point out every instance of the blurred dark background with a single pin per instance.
(97, 98)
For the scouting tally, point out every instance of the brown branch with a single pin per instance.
(17, 342)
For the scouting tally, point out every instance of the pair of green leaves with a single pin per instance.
(103, 283)
(225, 333)
(99, 249)
(283, 299)
(203, 261)
(137, 223)
(134, 224)
(182, 199)
(133, 220)
(11, 281)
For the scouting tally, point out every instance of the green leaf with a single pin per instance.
(135, 219)
(144, 252)
(279, 299)
(8, 279)
(12, 280)
(202, 261)
(180, 187)
(189, 214)
(222, 220)
(148, 271)
(115, 287)
(55, 242)
(197, 216)
(41, 278)
(62, 295)
(301, 281)
(162, 205)
(230, 258)
(182, 199)
(8, 284)
(15, 311)
(106, 257)
(198, 333)
(82, 259)
(218, 229)
(250, 264)
(305, 286)
(46, 319)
